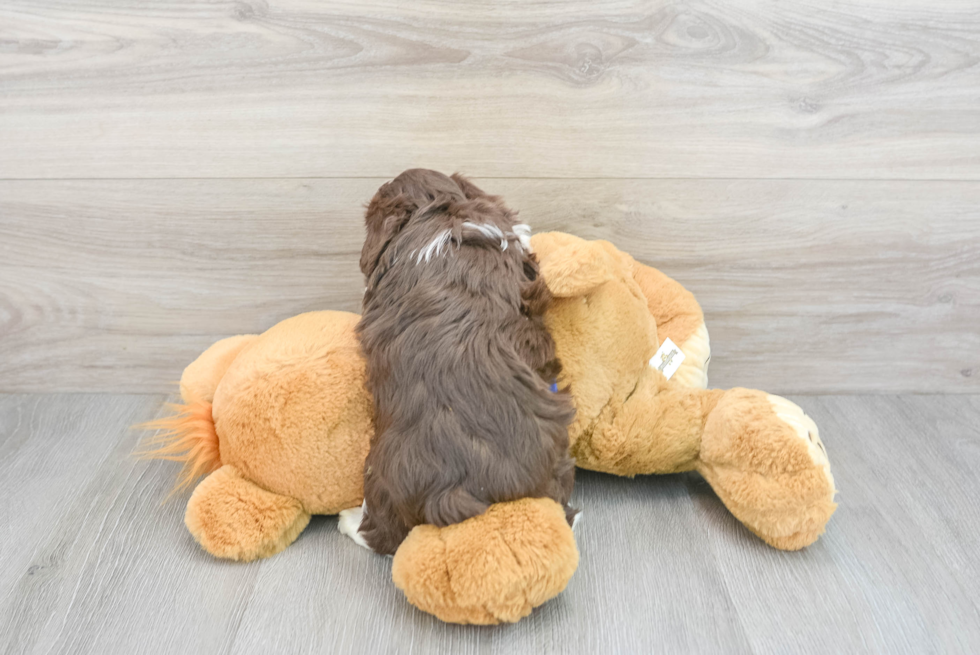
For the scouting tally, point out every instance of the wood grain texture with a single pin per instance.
(41, 473)
(903, 541)
(807, 286)
(95, 562)
(180, 88)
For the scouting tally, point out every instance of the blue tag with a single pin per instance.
(554, 387)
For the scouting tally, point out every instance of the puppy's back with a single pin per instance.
(462, 418)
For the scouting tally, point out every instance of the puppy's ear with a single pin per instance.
(385, 218)
(575, 268)
(469, 189)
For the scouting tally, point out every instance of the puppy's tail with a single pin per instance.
(493, 568)
(454, 506)
(186, 436)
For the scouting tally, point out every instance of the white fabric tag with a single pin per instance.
(668, 359)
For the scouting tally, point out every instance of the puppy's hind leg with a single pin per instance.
(561, 488)
(381, 527)
(350, 524)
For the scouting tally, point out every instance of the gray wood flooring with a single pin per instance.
(94, 561)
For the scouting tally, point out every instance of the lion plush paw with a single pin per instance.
(764, 458)
(492, 568)
(806, 430)
(234, 518)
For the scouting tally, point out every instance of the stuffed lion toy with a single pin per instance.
(280, 425)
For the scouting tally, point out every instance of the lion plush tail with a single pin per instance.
(187, 436)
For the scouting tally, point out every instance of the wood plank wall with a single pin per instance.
(175, 172)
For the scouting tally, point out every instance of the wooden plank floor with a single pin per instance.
(94, 561)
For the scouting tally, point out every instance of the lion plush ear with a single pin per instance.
(571, 266)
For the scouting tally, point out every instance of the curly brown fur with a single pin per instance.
(459, 361)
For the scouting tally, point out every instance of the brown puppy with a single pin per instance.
(458, 359)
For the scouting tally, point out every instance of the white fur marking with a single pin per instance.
(489, 231)
(523, 232)
(350, 523)
(576, 520)
(434, 248)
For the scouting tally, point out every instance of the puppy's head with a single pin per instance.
(396, 202)
(470, 190)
